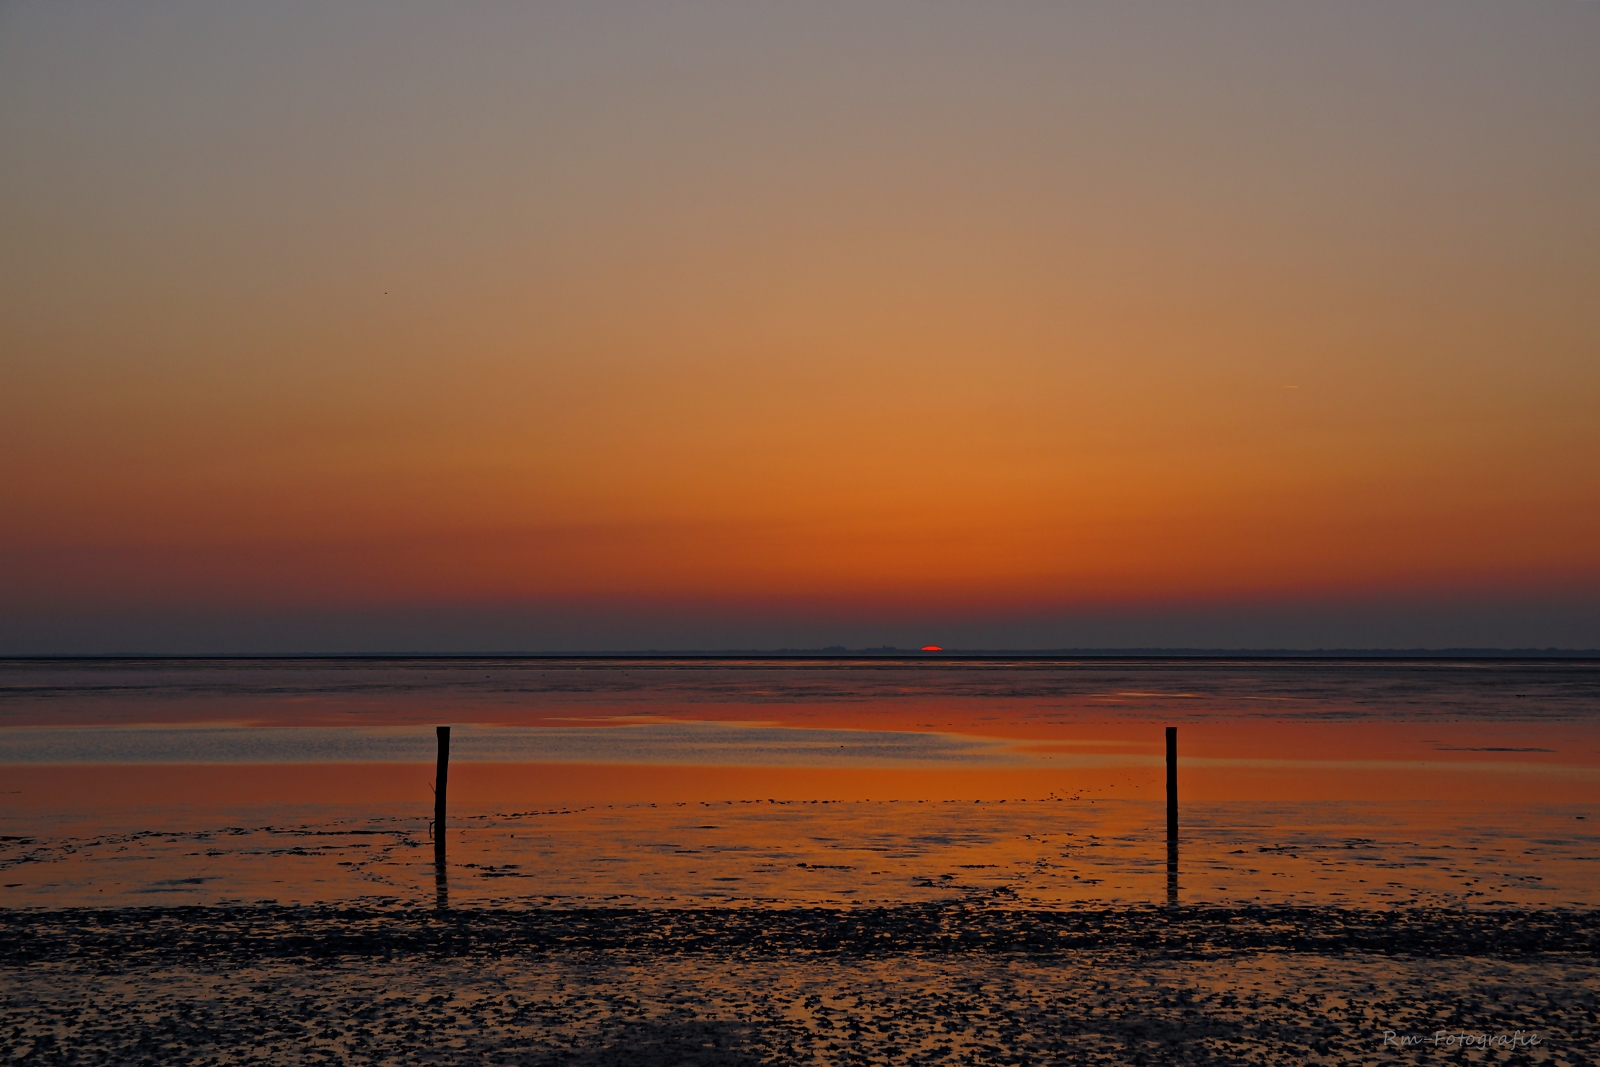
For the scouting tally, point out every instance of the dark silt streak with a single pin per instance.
(269, 931)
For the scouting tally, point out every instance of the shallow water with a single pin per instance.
(779, 782)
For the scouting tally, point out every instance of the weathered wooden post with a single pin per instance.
(441, 782)
(441, 785)
(1172, 815)
(1172, 785)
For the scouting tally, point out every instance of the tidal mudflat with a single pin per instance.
(911, 984)
(682, 862)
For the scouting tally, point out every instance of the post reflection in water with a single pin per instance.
(441, 885)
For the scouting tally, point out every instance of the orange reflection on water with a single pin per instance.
(109, 791)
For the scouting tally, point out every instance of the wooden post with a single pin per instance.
(1172, 815)
(441, 781)
(1172, 784)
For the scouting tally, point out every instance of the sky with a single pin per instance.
(546, 327)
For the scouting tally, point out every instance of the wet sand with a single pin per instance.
(1028, 853)
(908, 984)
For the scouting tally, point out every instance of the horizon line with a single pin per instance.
(878, 652)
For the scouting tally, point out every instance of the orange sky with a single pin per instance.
(854, 313)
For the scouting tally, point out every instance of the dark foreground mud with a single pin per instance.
(945, 984)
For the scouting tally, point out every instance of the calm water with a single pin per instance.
(1031, 783)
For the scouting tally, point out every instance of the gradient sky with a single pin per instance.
(397, 326)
